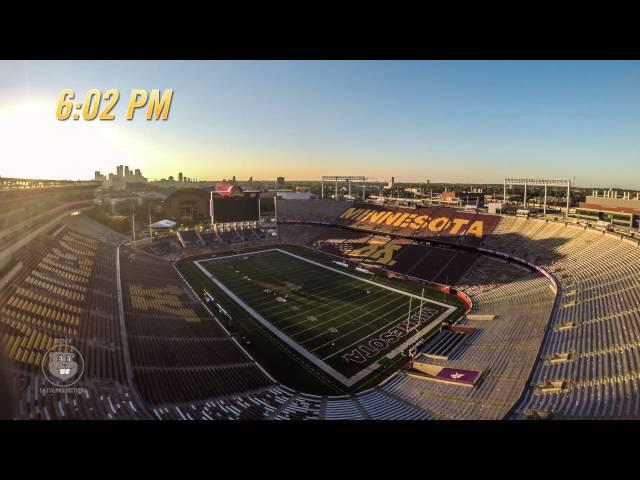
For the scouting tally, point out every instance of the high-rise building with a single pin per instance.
(280, 181)
(123, 176)
(180, 177)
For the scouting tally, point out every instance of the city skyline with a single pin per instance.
(449, 122)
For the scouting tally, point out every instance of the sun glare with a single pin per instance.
(35, 144)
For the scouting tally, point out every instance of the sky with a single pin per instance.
(443, 121)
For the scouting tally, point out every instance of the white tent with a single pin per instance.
(163, 224)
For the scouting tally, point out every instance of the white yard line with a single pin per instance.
(320, 363)
(348, 312)
(313, 359)
(381, 328)
(224, 328)
(270, 302)
(386, 304)
(373, 366)
(293, 272)
(395, 320)
(326, 314)
(358, 278)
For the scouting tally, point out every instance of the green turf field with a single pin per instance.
(342, 321)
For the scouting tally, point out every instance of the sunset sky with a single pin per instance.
(474, 122)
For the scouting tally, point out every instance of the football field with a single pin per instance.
(344, 322)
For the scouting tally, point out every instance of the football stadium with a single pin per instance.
(316, 308)
(352, 240)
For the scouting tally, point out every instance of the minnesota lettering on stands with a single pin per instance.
(420, 220)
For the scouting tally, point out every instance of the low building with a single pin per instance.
(188, 204)
(496, 207)
(294, 195)
(230, 203)
(471, 198)
(462, 199)
(620, 210)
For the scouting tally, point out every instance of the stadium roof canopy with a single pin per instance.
(163, 224)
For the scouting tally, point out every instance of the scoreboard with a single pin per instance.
(236, 209)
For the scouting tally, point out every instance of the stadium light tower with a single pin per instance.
(211, 208)
(275, 207)
(258, 209)
(340, 178)
(538, 182)
(149, 212)
(133, 221)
